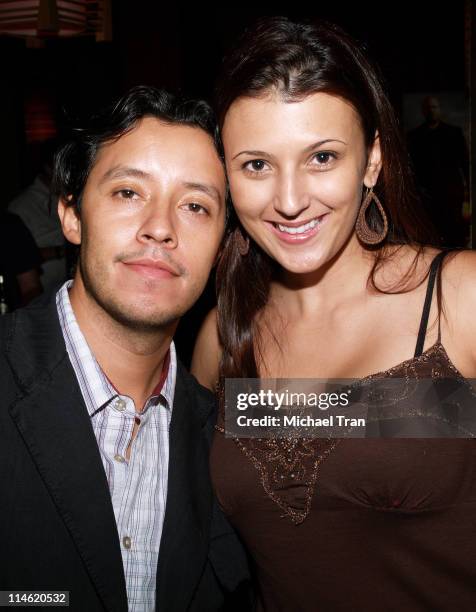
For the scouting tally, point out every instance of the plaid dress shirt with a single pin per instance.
(138, 486)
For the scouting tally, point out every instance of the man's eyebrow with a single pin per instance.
(118, 172)
(314, 145)
(209, 190)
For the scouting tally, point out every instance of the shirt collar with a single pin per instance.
(96, 389)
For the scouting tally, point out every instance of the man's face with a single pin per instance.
(151, 222)
(431, 109)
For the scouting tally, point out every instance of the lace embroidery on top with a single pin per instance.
(289, 467)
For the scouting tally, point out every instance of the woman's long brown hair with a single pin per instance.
(296, 60)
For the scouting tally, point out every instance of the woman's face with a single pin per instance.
(296, 172)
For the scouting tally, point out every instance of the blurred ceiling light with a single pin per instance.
(41, 19)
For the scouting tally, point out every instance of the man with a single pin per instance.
(104, 436)
(36, 206)
(441, 163)
(19, 262)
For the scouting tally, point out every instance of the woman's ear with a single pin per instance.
(374, 163)
(217, 257)
(70, 221)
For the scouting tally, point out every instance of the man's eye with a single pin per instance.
(197, 208)
(255, 165)
(126, 194)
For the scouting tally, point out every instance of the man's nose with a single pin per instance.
(158, 226)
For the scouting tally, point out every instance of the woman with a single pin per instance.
(326, 277)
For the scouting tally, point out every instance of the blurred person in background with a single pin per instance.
(37, 208)
(20, 263)
(441, 163)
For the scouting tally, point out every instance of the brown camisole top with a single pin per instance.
(357, 524)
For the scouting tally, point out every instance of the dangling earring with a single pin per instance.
(364, 233)
(242, 242)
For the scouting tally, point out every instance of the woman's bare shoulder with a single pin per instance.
(207, 352)
(459, 300)
(459, 278)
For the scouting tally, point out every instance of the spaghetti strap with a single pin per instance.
(438, 294)
(435, 269)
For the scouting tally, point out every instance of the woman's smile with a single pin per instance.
(298, 232)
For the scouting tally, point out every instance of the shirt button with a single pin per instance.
(126, 541)
(119, 458)
(120, 405)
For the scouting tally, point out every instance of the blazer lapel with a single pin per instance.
(53, 421)
(184, 544)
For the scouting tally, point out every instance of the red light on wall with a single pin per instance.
(39, 119)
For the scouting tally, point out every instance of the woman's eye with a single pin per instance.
(255, 165)
(323, 157)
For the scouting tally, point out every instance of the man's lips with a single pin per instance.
(151, 268)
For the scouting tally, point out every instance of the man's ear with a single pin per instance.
(70, 221)
(374, 163)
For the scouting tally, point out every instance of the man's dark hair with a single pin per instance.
(75, 159)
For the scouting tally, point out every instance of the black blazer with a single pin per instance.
(57, 525)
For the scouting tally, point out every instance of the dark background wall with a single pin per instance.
(419, 47)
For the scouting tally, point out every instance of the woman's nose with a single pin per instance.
(291, 197)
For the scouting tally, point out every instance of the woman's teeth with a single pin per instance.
(300, 229)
